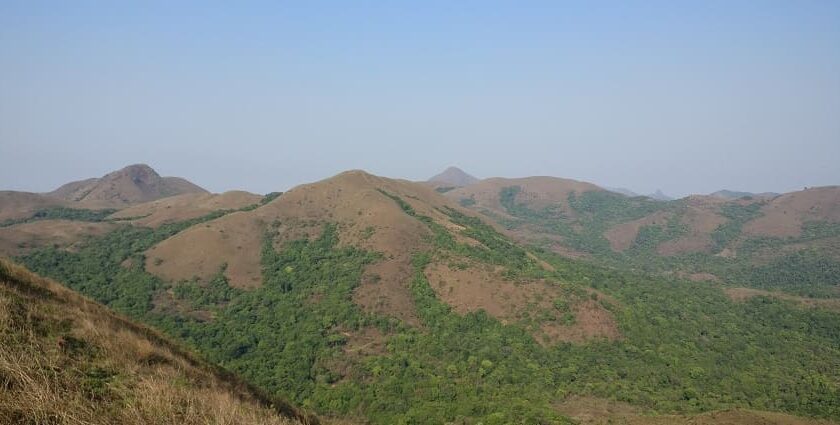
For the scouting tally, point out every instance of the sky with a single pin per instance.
(687, 97)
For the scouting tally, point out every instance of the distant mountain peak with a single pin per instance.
(660, 196)
(454, 176)
(129, 185)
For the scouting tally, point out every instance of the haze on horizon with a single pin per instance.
(687, 98)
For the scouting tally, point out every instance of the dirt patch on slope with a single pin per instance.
(384, 290)
(24, 237)
(699, 277)
(185, 207)
(701, 221)
(622, 236)
(744, 294)
(368, 341)
(784, 215)
(476, 287)
(599, 411)
(592, 321)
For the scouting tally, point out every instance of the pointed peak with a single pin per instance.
(453, 176)
(135, 171)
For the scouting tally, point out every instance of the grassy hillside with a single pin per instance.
(67, 360)
(789, 243)
(488, 332)
(128, 186)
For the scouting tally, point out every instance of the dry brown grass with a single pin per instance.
(474, 287)
(744, 294)
(784, 215)
(598, 411)
(22, 238)
(622, 236)
(702, 219)
(67, 360)
(17, 205)
(185, 207)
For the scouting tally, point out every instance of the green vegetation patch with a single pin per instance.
(62, 213)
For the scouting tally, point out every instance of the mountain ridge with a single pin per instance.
(130, 185)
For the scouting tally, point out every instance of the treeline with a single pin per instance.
(61, 213)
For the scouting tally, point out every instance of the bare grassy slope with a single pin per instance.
(131, 185)
(596, 411)
(537, 192)
(22, 238)
(784, 215)
(185, 207)
(366, 216)
(67, 360)
(17, 205)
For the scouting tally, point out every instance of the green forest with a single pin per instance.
(685, 347)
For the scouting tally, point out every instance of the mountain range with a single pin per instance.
(367, 299)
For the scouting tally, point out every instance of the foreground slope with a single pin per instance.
(65, 359)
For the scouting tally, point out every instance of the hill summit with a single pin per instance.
(454, 176)
(131, 185)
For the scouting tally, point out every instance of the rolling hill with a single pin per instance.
(15, 206)
(734, 194)
(130, 185)
(92, 207)
(383, 301)
(741, 240)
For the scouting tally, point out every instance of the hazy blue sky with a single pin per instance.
(683, 96)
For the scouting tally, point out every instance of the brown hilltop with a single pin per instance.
(367, 218)
(784, 215)
(185, 207)
(536, 192)
(131, 185)
(18, 205)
